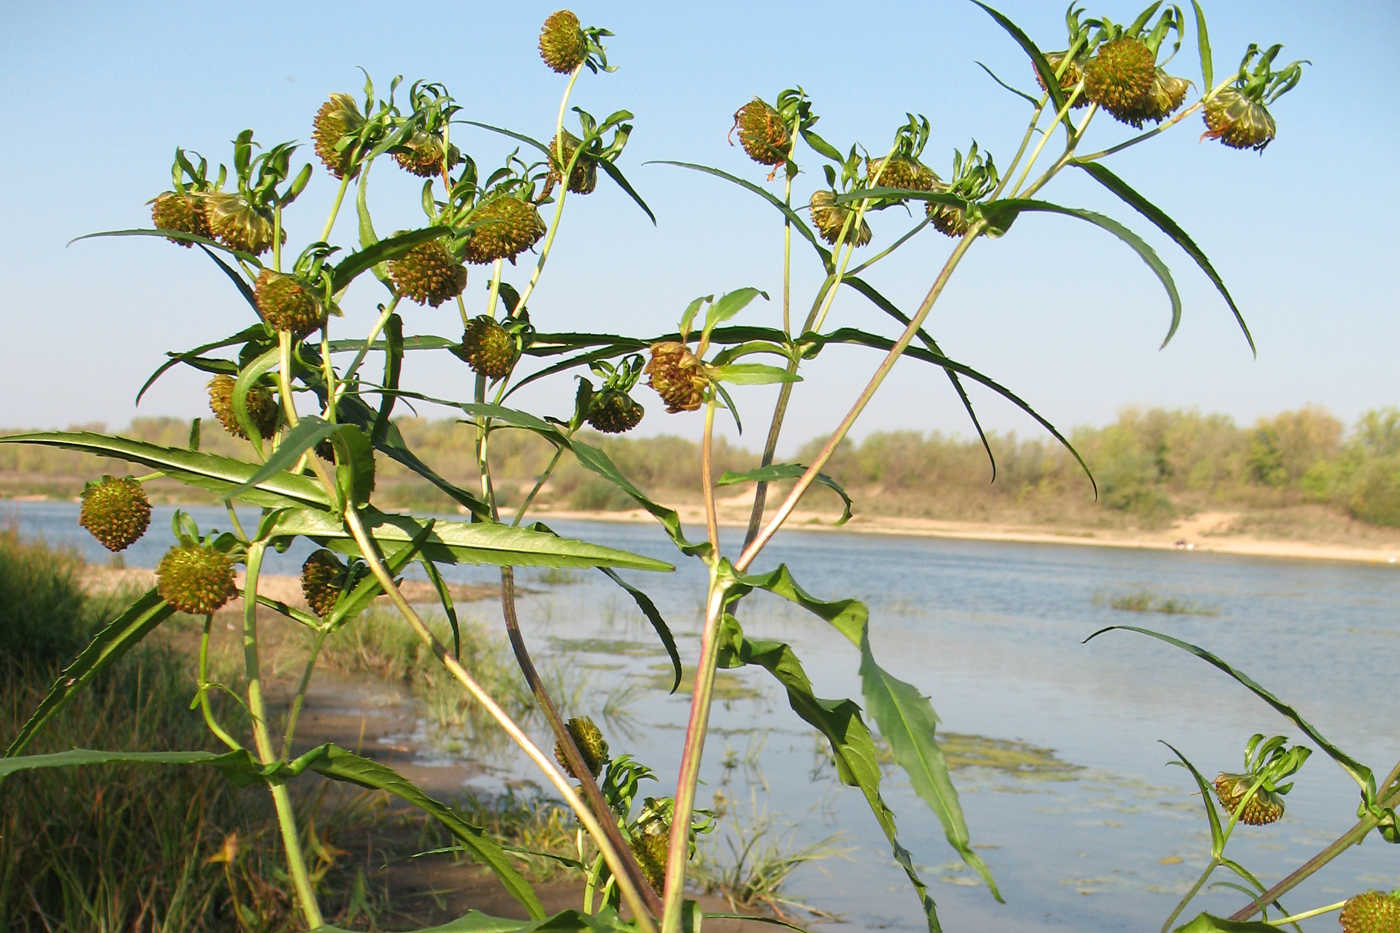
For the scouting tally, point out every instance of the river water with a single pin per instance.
(1088, 830)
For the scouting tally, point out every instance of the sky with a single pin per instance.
(100, 95)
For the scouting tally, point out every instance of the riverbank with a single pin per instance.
(1206, 532)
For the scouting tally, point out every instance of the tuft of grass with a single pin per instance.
(1147, 601)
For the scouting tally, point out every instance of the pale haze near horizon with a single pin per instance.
(1060, 312)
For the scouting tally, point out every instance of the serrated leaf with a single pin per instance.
(220, 475)
(1359, 773)
(840, 723)
(107, 646)
(1146, 208)
(462, 542)
(309, 432)
(781, 471)
(1002, 213)
(82, 757)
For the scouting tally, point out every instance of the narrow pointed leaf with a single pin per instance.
(1021, 94)
(753, 374)
(1359, 773)
(1042, 66)
(1205, 923)
(658, 624)
(238, 280)
(1217, 836)
(1203, 48)
(781, 471)
(234, 340)
(109, 644)
(613, 172)
(388, 248)
(309, 432)
(220, 475)
(1002, 213)
(342, 765)
(462, 542)
(1146, 208)
(82, 757)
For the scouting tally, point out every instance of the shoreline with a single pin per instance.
(1203, 533)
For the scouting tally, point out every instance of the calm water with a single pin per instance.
(993, 633)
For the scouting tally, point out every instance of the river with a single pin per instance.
(1092, 832)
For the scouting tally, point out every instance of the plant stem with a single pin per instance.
(707, 479)
(535, 490)
(752, 549)
(335, 209)
(204, 707)
(262, 741)
(577, 765)
(1308, 914)
(517, 735)
(300, 698)
(1195, 889)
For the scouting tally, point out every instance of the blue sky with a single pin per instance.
(100, 95)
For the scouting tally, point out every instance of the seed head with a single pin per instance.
(650, 846)
(1237, 121)
(762, 133)
(676, 375)
(195, 579)
(1371, 912)
(488, 348)
(237, 224)
(424, 155)
(584, 178)
(829, 217)
(324, 578)
(900, 172)
(507, 226)
(116, 511)
(1120, 76)
(428, 274)
(614, 412)
(1264, 806)
(338, 118)
(946, 218)
(1072, 75)
(591, 745)
(181, 212)
(262, 407)
(563, 46)
(287, 304)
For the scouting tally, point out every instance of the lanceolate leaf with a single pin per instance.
(780, 471)
(238, 281)
(309, 432)
(109, 644)
(1042, 66)
(1152, 212)
(235, 340)
(220, 475)
(461, 542)
(905, 717)
(653, 615)
(1205, 923)
(1359, 773)
(381, 251)
(616, 175)
(1022, 94)
(839, 721)
(1217, 836)
(1203, 47)
(1002, 213)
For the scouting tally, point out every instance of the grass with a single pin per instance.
(1147, 601)
(128, 847)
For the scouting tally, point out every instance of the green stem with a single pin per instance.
(539, 484)
(335, 209)
(1308, 914)
(299, 699)
(262, 741)
(1195, 889)
(204, 708)
(369, 340)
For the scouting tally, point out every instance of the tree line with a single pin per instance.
(1150, 466)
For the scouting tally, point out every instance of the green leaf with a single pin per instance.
(309, 432)
(1042, 66)
(389, 248)
(907, 721)
(1203, 48)
(839, 721)
(238, 280)
(1205, 923)
(109, 644)
(354, 469)
(658, 624)
(220, 475)
(1002, 213)
(613, 172)
(393, 367)
(1217, 836)
(1359, 773)
(1146, 208)
(752, 374)
(80, 757)
(341, 765)
(461, 542)
(793, 217)
(729, 305)
(1021, 94)
(236, 340)
(168, 235)
(780, 471)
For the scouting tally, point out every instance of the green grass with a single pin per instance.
(126, 847)
(1147, 601)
